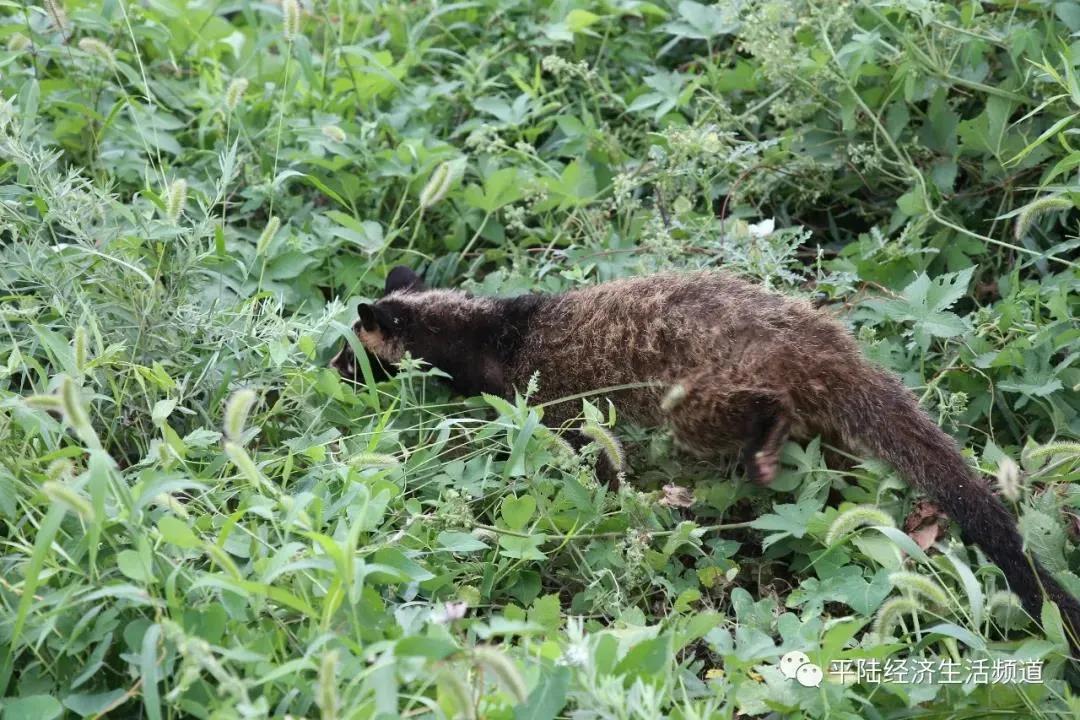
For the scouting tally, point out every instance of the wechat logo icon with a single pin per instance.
(796, 666)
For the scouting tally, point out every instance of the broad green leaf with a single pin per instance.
(701, 22)
(32, 707)
(87, 704)
(132, 566)
(547, 700)
(427, 647)
(546, 611)
(148, 669)
(176, 531)
(392, 557)
(517, 511)
(367, 235)
(646, 658)
(522, 548)
(460, 542)
(578, 20)
(45, 535)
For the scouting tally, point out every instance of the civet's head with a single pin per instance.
(448, 329)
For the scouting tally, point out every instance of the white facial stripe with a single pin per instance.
(376, 342)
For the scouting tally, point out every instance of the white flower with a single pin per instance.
(449, 612)
(575, 655)
(763, 229)
(1008, 477)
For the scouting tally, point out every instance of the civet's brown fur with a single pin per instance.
(737, 367)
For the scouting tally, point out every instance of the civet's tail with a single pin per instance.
(883, 417)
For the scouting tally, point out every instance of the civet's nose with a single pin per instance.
(345, 363)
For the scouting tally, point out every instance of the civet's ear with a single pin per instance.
(368, 321)
(403, 279)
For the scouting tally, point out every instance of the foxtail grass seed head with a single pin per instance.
(268, 234)
(457, 687)
(64, 495)
(333, 133)
(911, 583)
(533, 386)
(1039, 207)
(76, 413)
(563, 448)
(56, 12)
(166, 500)
(1003, 598)
(674, 398)
(235, 93)
(438, 185)
(162, 451)
(368, 459)
(327, 698)
(890, 613)
(14, 360)
(1005, 607)
(59, 469)
(290, 10)
(236, 413)
(851, 520)
(607, 442)
(80, 349)
(504, 670)
(51, 403)
(93, 46)
(18, 42)
(1008, 479)
(244, 463)
(1057, 448)
(175, 199)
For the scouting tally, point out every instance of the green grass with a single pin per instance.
(198, 518)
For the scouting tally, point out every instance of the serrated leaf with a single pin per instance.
(202, 438)
(546, 610)
(846, 585)
(1045, 536)
(924, 303)
(701, 22)
(788, 520)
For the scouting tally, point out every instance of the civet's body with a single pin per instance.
(724, 363)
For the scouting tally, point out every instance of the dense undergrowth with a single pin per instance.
(197, 518)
